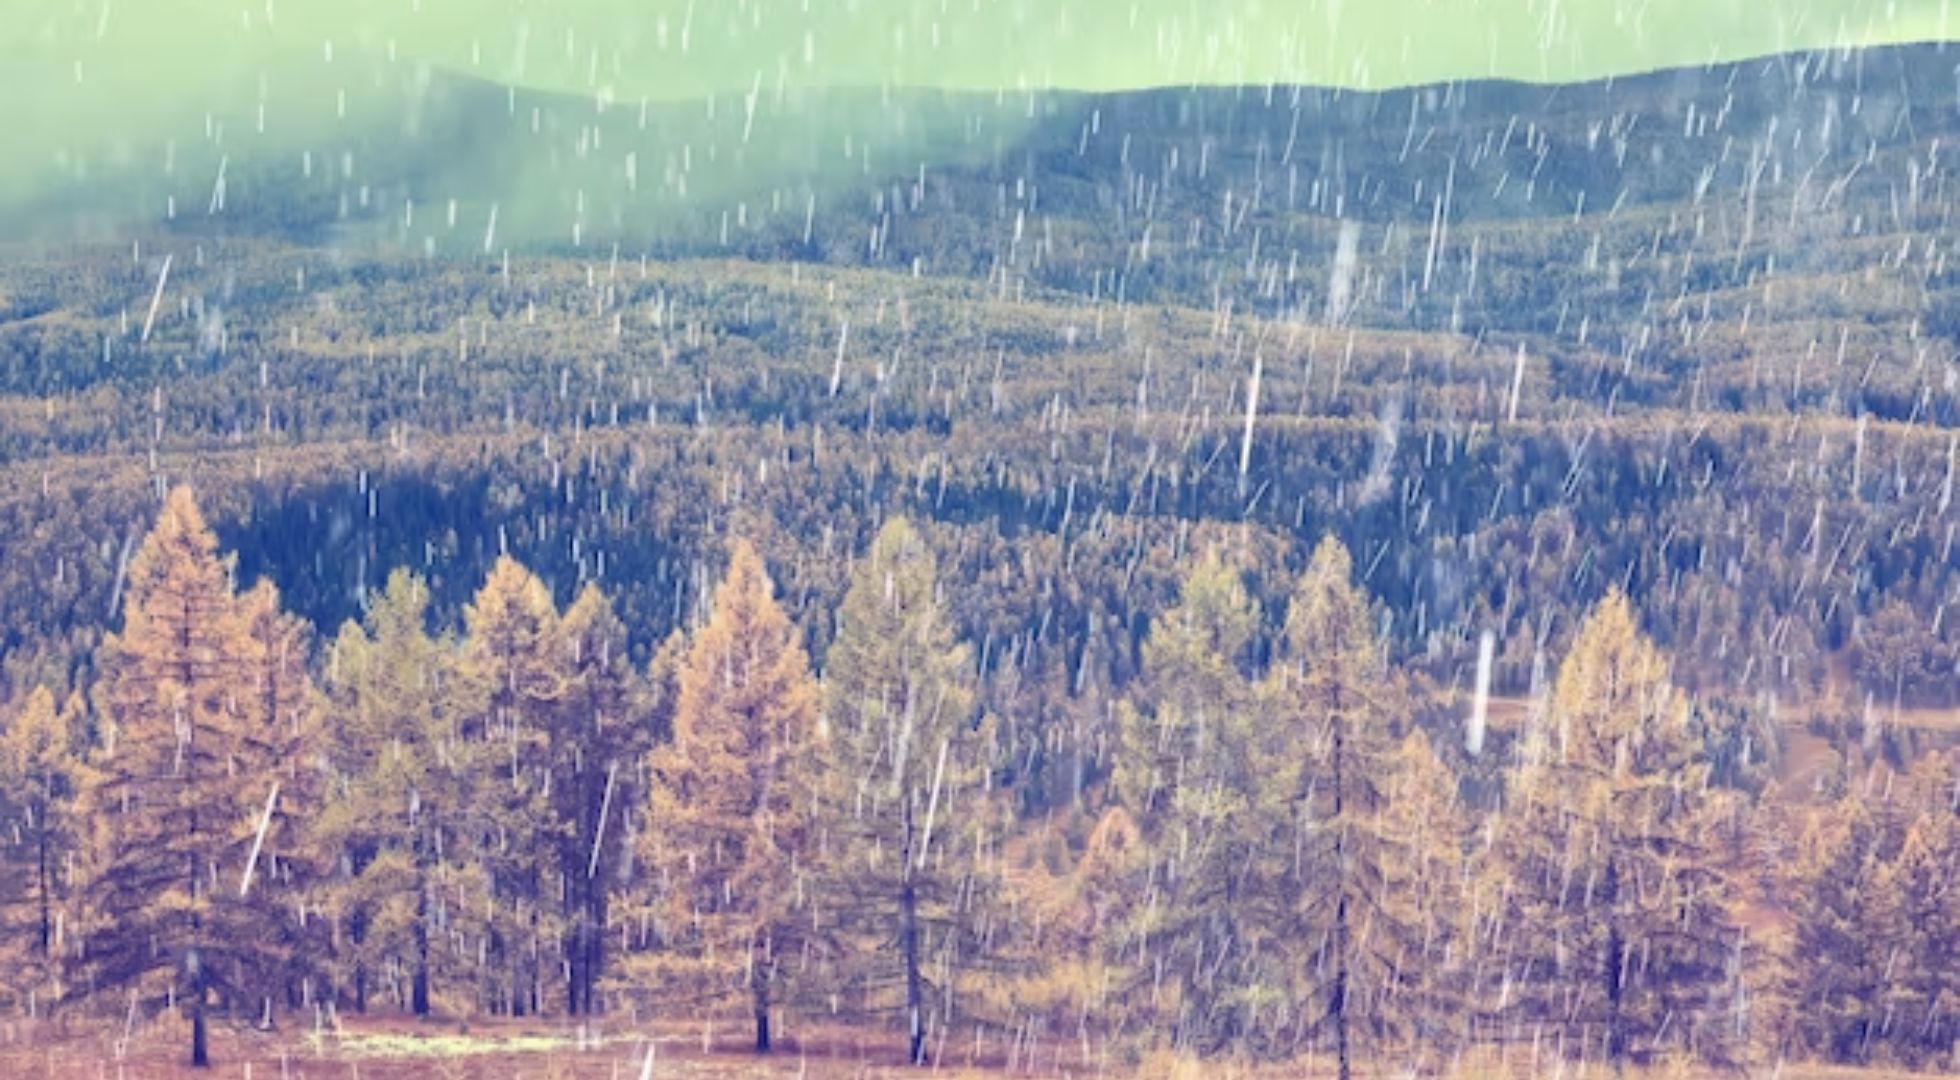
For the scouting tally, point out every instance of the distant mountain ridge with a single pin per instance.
(619, 170)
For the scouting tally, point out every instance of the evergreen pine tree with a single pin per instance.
(1424, 896)
(1193, 685)
(1913, 919)
(640, 901)
(290, 736)
(1834, 969)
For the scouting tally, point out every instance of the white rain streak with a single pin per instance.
(258, 842)
(156, 298)
(1517, 385)
(1340, 288)
(1251, 416)
(1473, 731)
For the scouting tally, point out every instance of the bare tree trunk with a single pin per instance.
(1341, 989)
(47, 901)
(532, 967)
(200, 1051)
(908, 932)
(759, 987)
(574, 945)
(590, 888)
(914, 993)
(418, 993)
(1339, 1004)
(1616, 1032)
(595, 944)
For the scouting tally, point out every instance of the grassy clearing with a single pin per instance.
(395, 1044)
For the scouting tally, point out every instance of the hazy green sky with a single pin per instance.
(678, 48)
(96, 85)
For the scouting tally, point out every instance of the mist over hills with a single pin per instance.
(889, 177)
(1458, 198)
(124, 90)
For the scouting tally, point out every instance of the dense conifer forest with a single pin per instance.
(1384, 581)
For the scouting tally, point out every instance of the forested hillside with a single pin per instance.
(1402, 577)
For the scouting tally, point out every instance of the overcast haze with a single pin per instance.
(110, 91)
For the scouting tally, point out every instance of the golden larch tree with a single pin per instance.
(597, 736)
(512, 647)
(1619, 908)
(905, 802)
(1195, 767)
(731, 835)
(40, 772)
(179, 903)
(1333, 693)
(404, 890)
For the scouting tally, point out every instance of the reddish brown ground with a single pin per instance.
(387, 1049)
(404, 1049)
(33, 1052)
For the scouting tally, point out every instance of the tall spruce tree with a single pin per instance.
(1915, 921)
(1927, 870)
(178, 903)
(905, 804)
(1619, 913)
(640, 905)
(1867, 971)
(734, 837)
